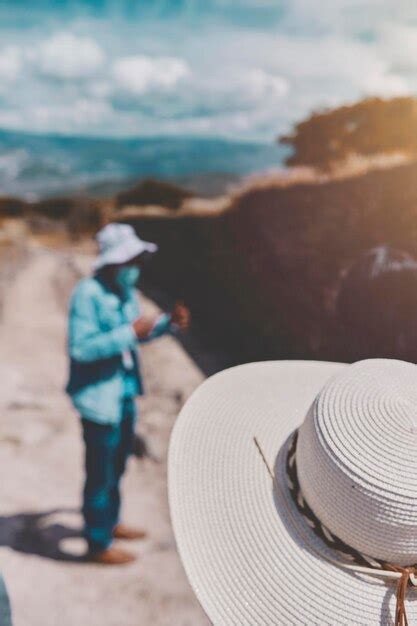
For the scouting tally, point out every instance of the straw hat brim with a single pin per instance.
(242, 541)
(123, 253)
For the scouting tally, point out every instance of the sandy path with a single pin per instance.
(41, 460)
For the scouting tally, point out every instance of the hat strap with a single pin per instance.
(359, 563)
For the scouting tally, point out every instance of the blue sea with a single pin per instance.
(106, 91)
(34, 166)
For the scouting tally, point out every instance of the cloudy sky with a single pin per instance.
(243, 69)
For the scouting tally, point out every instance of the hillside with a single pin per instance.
(262, 268)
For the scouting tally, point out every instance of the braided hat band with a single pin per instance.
(333, 542)
(320, 530)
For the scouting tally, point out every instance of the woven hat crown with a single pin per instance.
(357, 459)
(114, 235)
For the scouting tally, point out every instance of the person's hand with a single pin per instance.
(143, 326)
(181, 316)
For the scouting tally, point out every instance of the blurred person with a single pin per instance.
(5, 611)
(376, 306)
(105, 328)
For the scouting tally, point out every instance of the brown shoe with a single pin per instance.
(112, 556)
(128, 533)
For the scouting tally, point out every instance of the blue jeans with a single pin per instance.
(107, 448)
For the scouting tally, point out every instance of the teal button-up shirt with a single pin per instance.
(103, 350)
(5, 612)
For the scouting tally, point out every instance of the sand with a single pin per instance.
(41, 461)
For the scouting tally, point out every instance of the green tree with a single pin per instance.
(372, 126)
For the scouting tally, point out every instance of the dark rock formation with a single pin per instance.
(153, 192)
(262, 276)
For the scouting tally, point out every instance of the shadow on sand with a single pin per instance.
(39, 533)
(42, 533)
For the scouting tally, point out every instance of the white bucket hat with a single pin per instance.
(118, 243)
(293, 493)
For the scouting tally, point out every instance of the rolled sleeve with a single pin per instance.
(162, 326)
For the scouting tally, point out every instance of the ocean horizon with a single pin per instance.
(39, 165)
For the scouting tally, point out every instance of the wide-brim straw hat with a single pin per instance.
(118, 244)
(293, 493)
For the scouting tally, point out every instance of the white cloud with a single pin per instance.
(261, 84)
(398, 44)
(247, 4)
(68, 56)
(82, 114)
(342, 16)
(319, 71)
(11, 118)
(244, 81)
(10, 63)
(99, 89)
(137, 75)
(386, 85)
